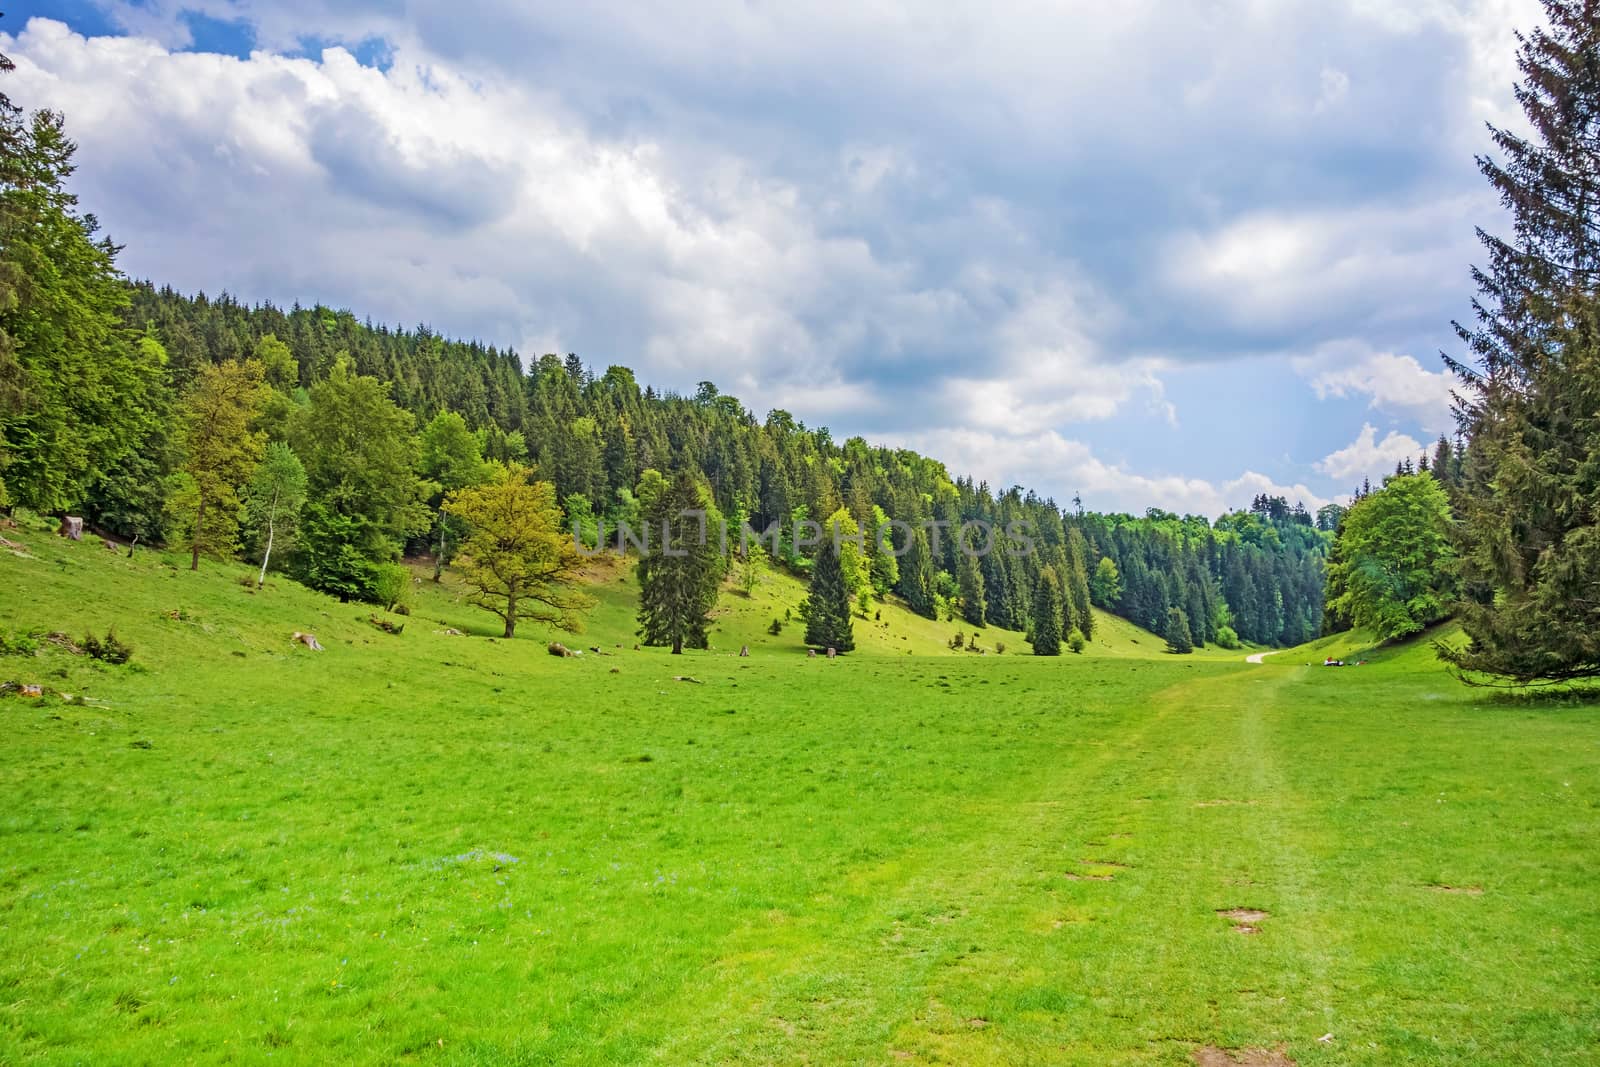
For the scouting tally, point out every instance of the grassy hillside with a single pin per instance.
(740, 619)
(456, 849)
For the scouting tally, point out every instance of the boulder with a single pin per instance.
(71, 528)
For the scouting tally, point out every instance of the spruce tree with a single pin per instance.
(1178, 637)
(1047, 614)
(827, 606)
(680, 569)
(1076, 586)
(917, 575)
(1526, 530)
(969, 581)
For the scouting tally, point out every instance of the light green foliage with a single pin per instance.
(361, 470)
(1076, 641)
(452, 459)
(884, 566)
(391, 586)
(518, 561)
(854, 562)
(1226, 638)
(1395, 571)
(219, 451)
(650, 488)
(278, 367)
(1105, 586)
(273, 500)
(752, 566)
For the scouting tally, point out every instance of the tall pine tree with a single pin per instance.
(680, 570)
(827, 606)
(1047, 614)
(1529, 531)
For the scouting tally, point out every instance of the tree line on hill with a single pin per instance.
(326, 446)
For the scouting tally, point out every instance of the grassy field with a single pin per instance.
(456, 849)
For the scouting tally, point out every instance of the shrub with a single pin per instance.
(391, 585)
(999, 648)
(958, 640)
(1226, 637)
(17, 643)
(1075, 640)
(776, 628)
(107, 649)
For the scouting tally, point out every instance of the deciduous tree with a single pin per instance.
(220, 451)
(517, 559)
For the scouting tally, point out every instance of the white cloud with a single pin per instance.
(1396, 384)
(1323, 268)
(1008, 222)
(1368, 457)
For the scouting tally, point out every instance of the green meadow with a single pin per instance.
(455, 849)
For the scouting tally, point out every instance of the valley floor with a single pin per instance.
(453, 849)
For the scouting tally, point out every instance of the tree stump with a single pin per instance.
(71, 528)
(744, 651)
(309, 640)
(811, 653)
(832, 653)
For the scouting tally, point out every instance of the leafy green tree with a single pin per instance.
(276, 493)
(1396, 565)
(1105, 587)
(680, 571)
(1529, 553)
(1076, 641)
(1047, 614)
(391, 586)
(452, 459)
(884, 566)
(128, 493)
(219, 451)
(361, 472)
(332, 553)
(854, 562)
(74, 380)
(827, 605)
(1178, 637)
(278, 366)
(517, 559)
(969, 580)
(752, 565)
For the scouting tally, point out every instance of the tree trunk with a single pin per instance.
(199, 521)
(272, 516)
(511, 613)
(677, 644)
(438, 560)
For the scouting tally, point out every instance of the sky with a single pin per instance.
(1151, 254)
